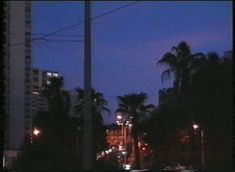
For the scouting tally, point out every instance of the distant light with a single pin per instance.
(102, 153)
(127, 166)
(4, 162)
(143, 148)
(119, 117)
(120, 147)
(36, 131)
(110, 150)
(195, 126)
(55, 74)
(145, 144)
(49, 74)
(130, 125)
(107, 152)
(35, 93)
(124, 152)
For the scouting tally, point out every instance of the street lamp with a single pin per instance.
(195, 127)
(36, 131)
(119, 117)
(124, 123)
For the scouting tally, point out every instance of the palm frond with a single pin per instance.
(165, 75)
(168, 59)
(106, 109)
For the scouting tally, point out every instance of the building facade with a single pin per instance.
(17, 75)
(40, 78)
(17, 71)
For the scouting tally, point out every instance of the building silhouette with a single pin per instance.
(17, 76)
(39, 79)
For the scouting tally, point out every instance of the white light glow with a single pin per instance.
(4, 162)
(36, 131)
(127, 166)
(119, 117)
(55, 74)
(195, 126)
(35, 93)
(49, 73)
(120, 147)
(124, 152)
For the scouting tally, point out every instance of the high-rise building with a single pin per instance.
(40, 78)
(17, 75)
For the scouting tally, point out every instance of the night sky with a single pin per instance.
(127, 44)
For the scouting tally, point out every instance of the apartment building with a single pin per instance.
(17, 76)
(40, 78)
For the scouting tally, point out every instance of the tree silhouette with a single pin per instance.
(133, 105)
(98, 107)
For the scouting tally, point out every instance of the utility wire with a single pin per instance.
(57, 35)
(60, 35)
(114, 10)
(51, 40)
(77, 24)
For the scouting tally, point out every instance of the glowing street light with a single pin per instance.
(119, 117)
(36, 131)
(195, 127)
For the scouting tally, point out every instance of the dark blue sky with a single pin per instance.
(127, 44)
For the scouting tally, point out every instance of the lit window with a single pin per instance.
(48, 82)
(55, 74)
(35, 93)
(49, 74)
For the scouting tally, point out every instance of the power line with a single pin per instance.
(61, 35)
(57, 35)
(79, 23)
(51, 40)
(114, 10)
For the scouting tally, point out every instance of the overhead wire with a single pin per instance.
(77, 24)
(57, 35)
(51, 40)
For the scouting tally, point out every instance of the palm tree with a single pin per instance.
(179, 61)
(132, 105)
(98, 106)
